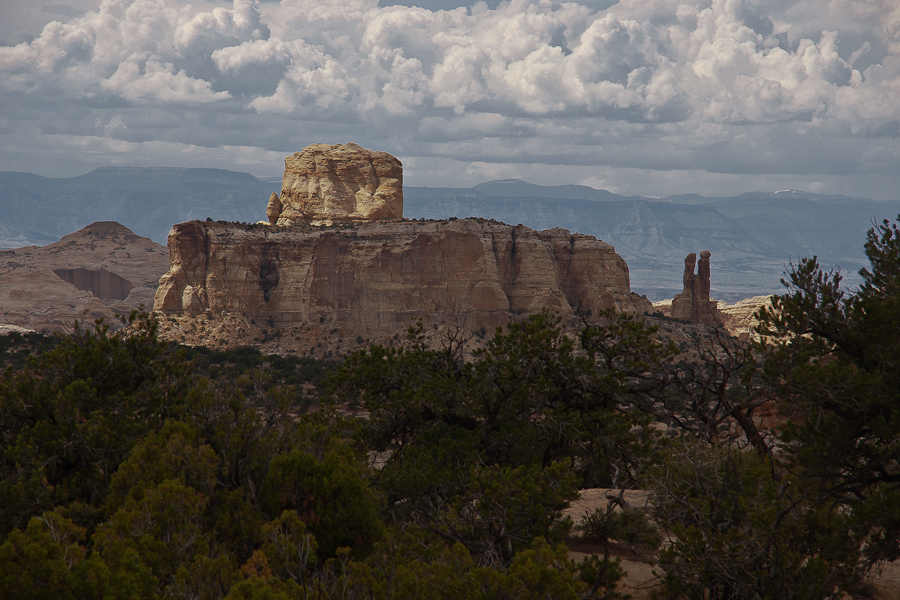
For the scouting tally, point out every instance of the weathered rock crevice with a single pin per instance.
(268, 271)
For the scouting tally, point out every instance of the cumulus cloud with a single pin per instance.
(134, 49)
(725, 86)
(143, 79)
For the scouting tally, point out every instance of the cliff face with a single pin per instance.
(379, 277)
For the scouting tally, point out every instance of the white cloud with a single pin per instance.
(252, 53)
(132, 49)
(236, 24)
(737, 86)
(159, 81)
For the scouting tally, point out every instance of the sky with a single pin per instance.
(647, 97)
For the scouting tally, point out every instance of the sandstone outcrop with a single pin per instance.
(343, 182)
(99, 271)
(739, 317)
(378, 278)
(693, 304)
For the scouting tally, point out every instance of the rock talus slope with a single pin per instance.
(380, 277)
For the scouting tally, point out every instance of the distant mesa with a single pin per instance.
(342, 182)
(97, 272)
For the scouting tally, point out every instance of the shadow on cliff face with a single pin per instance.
(103, 284)
(268, 271)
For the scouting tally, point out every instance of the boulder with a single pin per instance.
(344, 182)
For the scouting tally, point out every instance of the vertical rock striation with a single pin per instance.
(378, 278)
(336, 252)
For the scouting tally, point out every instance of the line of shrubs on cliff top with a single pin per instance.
(357, 223)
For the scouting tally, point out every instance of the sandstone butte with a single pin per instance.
(373, 274)
(693, 303)
(344, 182)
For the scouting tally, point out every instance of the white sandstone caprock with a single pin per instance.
(343, 182)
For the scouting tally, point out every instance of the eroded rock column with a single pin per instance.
(693, 303)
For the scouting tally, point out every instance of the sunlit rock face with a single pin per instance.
(335, 250)
(380, 277)
(343, 182)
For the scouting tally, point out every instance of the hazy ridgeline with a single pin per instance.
(752, 237)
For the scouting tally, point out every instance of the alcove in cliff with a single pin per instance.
(103, 284)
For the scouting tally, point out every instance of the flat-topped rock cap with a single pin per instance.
(341, 182)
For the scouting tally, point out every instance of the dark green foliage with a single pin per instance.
(450, 573)
(501, 510)
(835, 364)
(528, 409)
(330, 496)
(69, 418)
(739, 532)
(165, 529)
(17, 348)
(289, 550)
(138, 479)
(539, 400)
(42, 561)
(172, 454)
(629, 525)
(529, 398)
(233, 365)
(486, 454)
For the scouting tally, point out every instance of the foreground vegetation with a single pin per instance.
(129, 469)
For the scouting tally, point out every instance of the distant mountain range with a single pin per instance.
(752, 237)
(39, 210)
